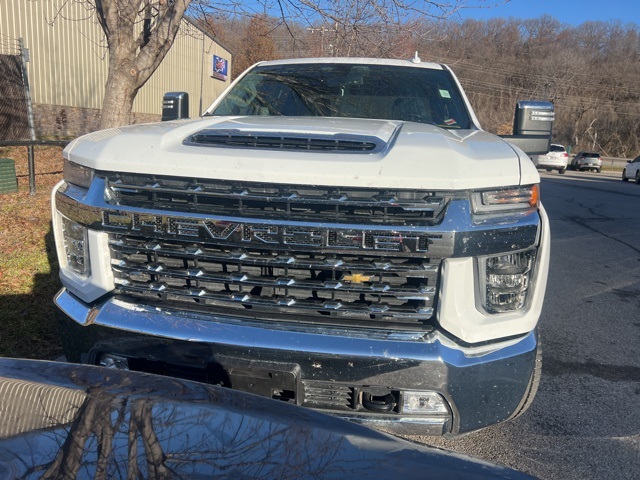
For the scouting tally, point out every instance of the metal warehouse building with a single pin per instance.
(68, 63)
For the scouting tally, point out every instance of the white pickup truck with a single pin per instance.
(340, 234)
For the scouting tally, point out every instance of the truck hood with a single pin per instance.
(400, 155)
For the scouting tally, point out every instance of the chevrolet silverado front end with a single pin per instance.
(335, 233)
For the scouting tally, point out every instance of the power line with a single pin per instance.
(506, 72)
(570, 100)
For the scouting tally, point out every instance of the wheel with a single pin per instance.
(561, 171)
(532, 388)
(624, 176)
(597, 170)
(638, 176)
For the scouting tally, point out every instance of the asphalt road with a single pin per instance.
(585, 421)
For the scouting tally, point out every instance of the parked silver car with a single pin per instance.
(587, 161)
(555, 159)
(632, 170)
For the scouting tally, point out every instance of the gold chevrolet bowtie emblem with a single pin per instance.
(356, 278)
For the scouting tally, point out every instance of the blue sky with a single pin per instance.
(572, 12)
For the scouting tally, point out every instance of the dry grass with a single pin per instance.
(28, 267)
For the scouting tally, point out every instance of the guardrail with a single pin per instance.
(615, 162)
(31, 156)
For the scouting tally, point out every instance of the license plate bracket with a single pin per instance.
(276, 380)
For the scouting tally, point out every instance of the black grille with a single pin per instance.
(316, 143)
(346, 289)
(333, 396)
(286, 202)
(321, 395)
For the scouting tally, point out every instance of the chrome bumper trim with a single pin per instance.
(194, 327)
(482, 384)
(435, 426)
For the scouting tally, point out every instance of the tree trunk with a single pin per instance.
(120, 92)
(133, 55)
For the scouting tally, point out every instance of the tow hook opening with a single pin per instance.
(379, 401)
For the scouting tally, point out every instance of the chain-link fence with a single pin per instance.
(14, 123)
(16, 119)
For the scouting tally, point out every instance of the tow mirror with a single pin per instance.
(532, 126)
(175, 105)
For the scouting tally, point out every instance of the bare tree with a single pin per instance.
(139, 34)
(589, 72)
(256, 44)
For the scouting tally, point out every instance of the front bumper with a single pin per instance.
(481, 385)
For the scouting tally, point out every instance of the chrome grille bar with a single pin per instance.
(239, 278)
(416, 268)
(205, 297)
(336, 199)
(349, 289)
(293, 202)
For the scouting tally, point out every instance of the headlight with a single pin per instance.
(77, 174)
(507, 199)
(76, 247)
(505, 280)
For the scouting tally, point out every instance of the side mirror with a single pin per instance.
(532, 125)
(175, 105)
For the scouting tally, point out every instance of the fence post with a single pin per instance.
(32, 170)
(32, 130)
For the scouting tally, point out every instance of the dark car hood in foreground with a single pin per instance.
(62, 420)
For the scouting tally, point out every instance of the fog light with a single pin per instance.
(505, 281)
(76, 247)
(422, 402)
(113, 361)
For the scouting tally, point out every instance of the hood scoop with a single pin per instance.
(290, 141)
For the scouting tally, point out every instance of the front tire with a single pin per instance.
(638, 177)
(624, 176)
(561, 171)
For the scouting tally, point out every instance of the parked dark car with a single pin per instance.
(587, 161)
(69, 421)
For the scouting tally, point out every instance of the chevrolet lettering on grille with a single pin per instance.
(165, 226)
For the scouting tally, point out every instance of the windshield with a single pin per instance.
(349, 90)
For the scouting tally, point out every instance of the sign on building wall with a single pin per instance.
(220, 67)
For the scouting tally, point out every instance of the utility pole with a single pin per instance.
(322, 31)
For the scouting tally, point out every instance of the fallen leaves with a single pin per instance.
(28, 268)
